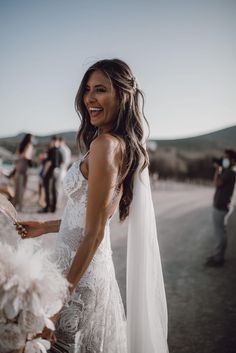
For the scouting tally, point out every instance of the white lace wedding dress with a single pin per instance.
(93, 320)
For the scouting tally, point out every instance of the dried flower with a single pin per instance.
(32, 290)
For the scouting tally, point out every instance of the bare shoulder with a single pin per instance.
(106, 144)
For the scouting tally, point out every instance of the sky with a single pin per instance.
(183, 53)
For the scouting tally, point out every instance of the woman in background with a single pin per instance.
(25, 152)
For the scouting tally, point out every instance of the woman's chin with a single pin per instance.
(94, 123)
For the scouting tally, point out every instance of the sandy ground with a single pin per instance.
(201, 301)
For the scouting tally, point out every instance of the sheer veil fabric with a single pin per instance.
(146, 301)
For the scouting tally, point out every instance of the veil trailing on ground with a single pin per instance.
(146, 300)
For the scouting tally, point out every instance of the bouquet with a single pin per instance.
(32, 290)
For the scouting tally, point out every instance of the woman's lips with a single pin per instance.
(94, 112)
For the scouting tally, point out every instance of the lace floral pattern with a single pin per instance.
(93, 320)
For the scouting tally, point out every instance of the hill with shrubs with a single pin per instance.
(190, 158)
(181, 159)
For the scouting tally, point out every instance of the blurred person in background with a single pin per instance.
(42, 158)
(25, 153)
(51, 174)
(224, 181)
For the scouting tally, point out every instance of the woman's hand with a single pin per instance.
(48, 334)
(31, 229)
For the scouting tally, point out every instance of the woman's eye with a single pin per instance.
(100, 90)
(96, 90)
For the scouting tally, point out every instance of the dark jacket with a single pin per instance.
(224, 191)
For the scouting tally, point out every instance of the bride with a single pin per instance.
(112, 175)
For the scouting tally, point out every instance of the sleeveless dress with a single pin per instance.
(93, 320)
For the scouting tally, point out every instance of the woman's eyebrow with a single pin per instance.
(99, 85)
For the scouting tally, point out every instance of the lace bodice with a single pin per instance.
(75, 187)
(73, 221)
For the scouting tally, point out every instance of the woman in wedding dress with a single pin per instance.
(109, 103)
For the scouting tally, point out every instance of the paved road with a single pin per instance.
(201, 301)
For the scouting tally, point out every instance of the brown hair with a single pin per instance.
(128, 125)
(24, 143)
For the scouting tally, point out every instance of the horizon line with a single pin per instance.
(49, 134)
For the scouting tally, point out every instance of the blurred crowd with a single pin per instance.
(52, 163)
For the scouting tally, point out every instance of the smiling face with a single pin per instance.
(100, 100)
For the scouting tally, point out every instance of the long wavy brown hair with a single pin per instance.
(128, 125)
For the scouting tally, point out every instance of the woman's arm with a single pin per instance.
(28, 152)
(52, 226)
(33, 229)
(104, 161)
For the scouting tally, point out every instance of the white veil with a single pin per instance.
(146, 300)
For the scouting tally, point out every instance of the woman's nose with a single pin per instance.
(90, 96)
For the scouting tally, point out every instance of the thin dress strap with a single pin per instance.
(83, 158)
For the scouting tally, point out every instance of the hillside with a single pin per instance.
(214, 141)
(184, 159)
(190, 158)
(11, 142)
(217, 140)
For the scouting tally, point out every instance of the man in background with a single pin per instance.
(224, 181)
(51, 174)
